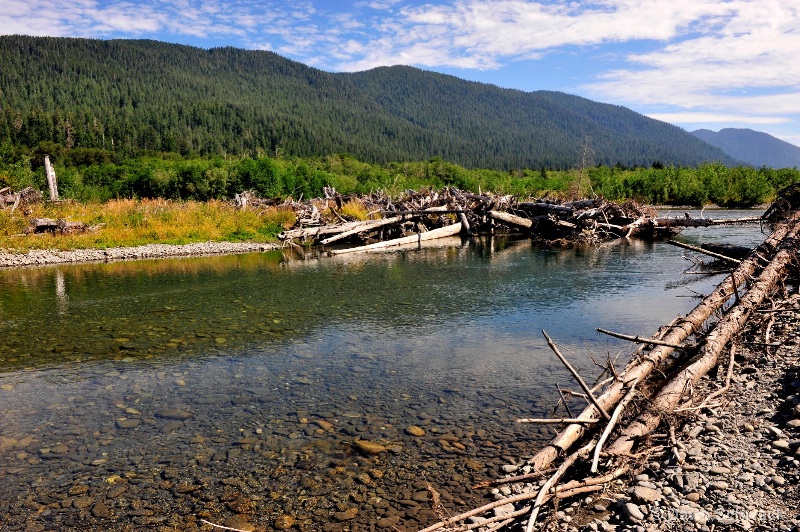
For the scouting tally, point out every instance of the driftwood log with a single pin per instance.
(639, 370)
(442, 232)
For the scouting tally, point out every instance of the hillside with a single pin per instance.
(127, 96)
(753, 147)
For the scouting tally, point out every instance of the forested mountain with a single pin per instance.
(551, 128)
(126, 96)
(753, 147)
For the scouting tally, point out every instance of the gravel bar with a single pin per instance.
(42, 257)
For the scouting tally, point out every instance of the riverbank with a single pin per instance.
(42, 257)
(733, 466)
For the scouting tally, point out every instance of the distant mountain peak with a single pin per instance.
(755, 148)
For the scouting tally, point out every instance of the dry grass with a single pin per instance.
(137, 222)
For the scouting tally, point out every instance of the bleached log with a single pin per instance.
(676, 335)
(669, 396)
(442, 232)
(562, 420)
(512, 219)
(703, 251)
(700, 222)
(642, 339)
(316, 232)
(368, 225)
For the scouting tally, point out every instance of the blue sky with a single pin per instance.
(694, 63)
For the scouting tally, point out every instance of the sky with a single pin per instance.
(693, 63)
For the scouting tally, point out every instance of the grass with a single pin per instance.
(129, 222)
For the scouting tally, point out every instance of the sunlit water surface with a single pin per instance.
(231, 389)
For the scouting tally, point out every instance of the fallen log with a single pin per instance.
(316, 232)
(41, 225)
(671, 393)
(512, 219)
(541, 207)
(556, 421)
(66, 227)
(368, 225)
(449, 230)
(700, 222)
(703, 251)
(639, 370)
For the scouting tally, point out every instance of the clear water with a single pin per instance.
(246, 379)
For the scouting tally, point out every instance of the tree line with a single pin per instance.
(97, 175)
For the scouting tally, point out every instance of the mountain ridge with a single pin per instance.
(134, 95)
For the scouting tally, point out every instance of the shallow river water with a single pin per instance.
(232, 389)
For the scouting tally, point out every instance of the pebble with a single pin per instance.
(415, 431)
(369, 448)
(647, 495)
(284, 522)
(240, 523)
(173, 413)
(346, 515)
(632, 511)
(128, 423)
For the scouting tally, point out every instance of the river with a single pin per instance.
(231, 389)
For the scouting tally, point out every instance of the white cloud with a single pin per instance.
(715, 118)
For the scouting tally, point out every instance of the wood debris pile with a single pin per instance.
(429, 214)
(625, 412)
(21, 198)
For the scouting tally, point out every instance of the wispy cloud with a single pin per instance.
(715, 118)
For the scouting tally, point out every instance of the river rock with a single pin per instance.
(388, 522)
(415, 431)
(643, 494)
(82, 502)
(782, 445)
(6, 443)
(173, 413)
(101, 511)
(632, 511)
(128, 423)
(284, 522)
(504, 510)
(346, 515)
(324, 425)
(116, 490)
(240, 523)
(368, 447)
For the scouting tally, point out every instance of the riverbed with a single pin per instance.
(232, 389)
